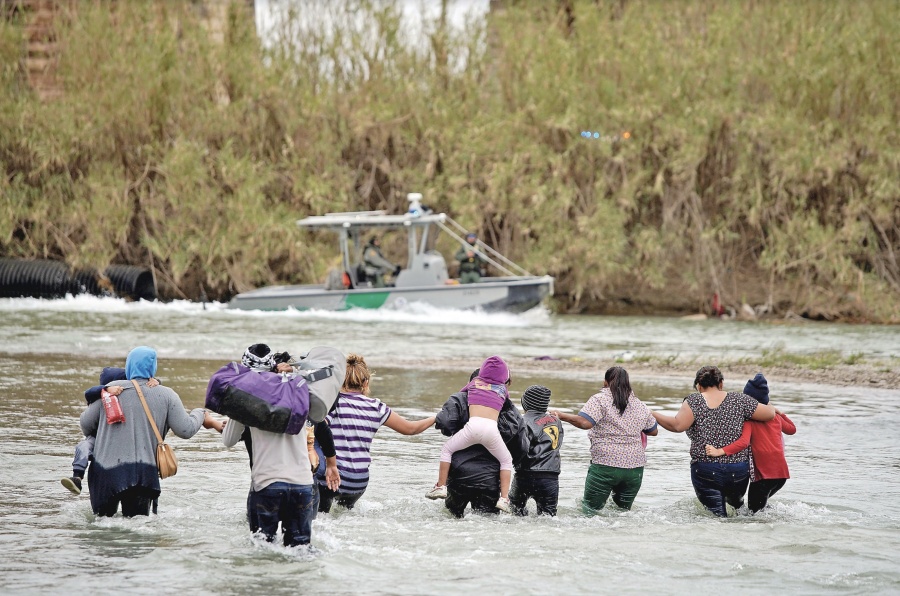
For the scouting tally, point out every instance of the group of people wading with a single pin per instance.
(296, 476)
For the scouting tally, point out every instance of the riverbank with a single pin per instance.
(742, 148)
(816, 369)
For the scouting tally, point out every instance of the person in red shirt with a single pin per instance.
(770, 470)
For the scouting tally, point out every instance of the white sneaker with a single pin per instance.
(503, 504)
(438, 492)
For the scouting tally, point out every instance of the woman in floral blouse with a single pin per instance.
(617, 421)
(714, 416)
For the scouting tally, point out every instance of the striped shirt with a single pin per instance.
(354, 423)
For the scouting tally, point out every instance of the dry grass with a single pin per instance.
(763, 161)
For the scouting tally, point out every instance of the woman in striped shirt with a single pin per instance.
(354, 420)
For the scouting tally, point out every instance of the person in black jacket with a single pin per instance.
(475, 473)
(537, 474)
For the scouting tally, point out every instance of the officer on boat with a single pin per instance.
(470, 260)
(376, 265)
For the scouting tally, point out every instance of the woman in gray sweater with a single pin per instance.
(124, 466)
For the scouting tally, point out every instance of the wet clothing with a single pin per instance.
(469, 265)
(474, 473)
(327, 497)
(537, 473)
(767, 446)
(760, 491)
(769, 469)
(125, 453)
(623, 483)
(354, 421)
(281, 483)
(718, 480)
(716, 484)
(460, 496)
(618, 450)
(543, 487)
(616, 438)
(137, 500)
(719, 426)
(293, 505)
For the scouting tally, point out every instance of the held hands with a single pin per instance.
(332, 476)
(313, 455)
(210, 422)
(714, 452)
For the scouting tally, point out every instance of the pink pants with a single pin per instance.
(479, 430)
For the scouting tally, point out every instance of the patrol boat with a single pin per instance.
(424, 278)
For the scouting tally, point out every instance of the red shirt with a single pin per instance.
(767, 446)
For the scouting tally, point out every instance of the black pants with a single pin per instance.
(542, 487)
(136, 500)
(327, 497)
(458, 497)
(761, 490)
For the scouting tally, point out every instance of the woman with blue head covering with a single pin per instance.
(124, 467)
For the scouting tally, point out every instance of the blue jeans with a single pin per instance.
(83, 452)
(716, 484)
(294, 505)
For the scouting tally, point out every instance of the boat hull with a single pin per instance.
(499, 294)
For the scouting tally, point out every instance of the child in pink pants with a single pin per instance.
(486, 395)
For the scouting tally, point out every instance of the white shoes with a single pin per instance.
(503, 504)
(438, 492)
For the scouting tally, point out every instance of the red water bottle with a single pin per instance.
(112, 406)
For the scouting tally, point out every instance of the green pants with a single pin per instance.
(623, 483)
(469, 277)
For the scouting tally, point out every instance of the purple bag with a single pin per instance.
(264, 400)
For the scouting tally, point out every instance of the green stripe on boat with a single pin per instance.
(367, 300)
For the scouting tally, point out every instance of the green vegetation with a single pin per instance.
(763, 160)
(813, 361)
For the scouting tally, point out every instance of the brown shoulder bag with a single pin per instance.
(166, 462)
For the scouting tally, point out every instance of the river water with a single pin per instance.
(834, 528)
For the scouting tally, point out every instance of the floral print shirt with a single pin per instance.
(616, 438)
(719, 426)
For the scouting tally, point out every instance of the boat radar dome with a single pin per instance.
(415, 204)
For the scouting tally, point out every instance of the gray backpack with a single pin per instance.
(324, 369)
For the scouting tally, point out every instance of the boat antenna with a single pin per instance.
(415, 204)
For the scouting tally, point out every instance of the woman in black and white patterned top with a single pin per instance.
(715, 417)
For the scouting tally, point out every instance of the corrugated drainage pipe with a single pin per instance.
(53, 279)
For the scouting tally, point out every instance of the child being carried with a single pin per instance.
(486, 395)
